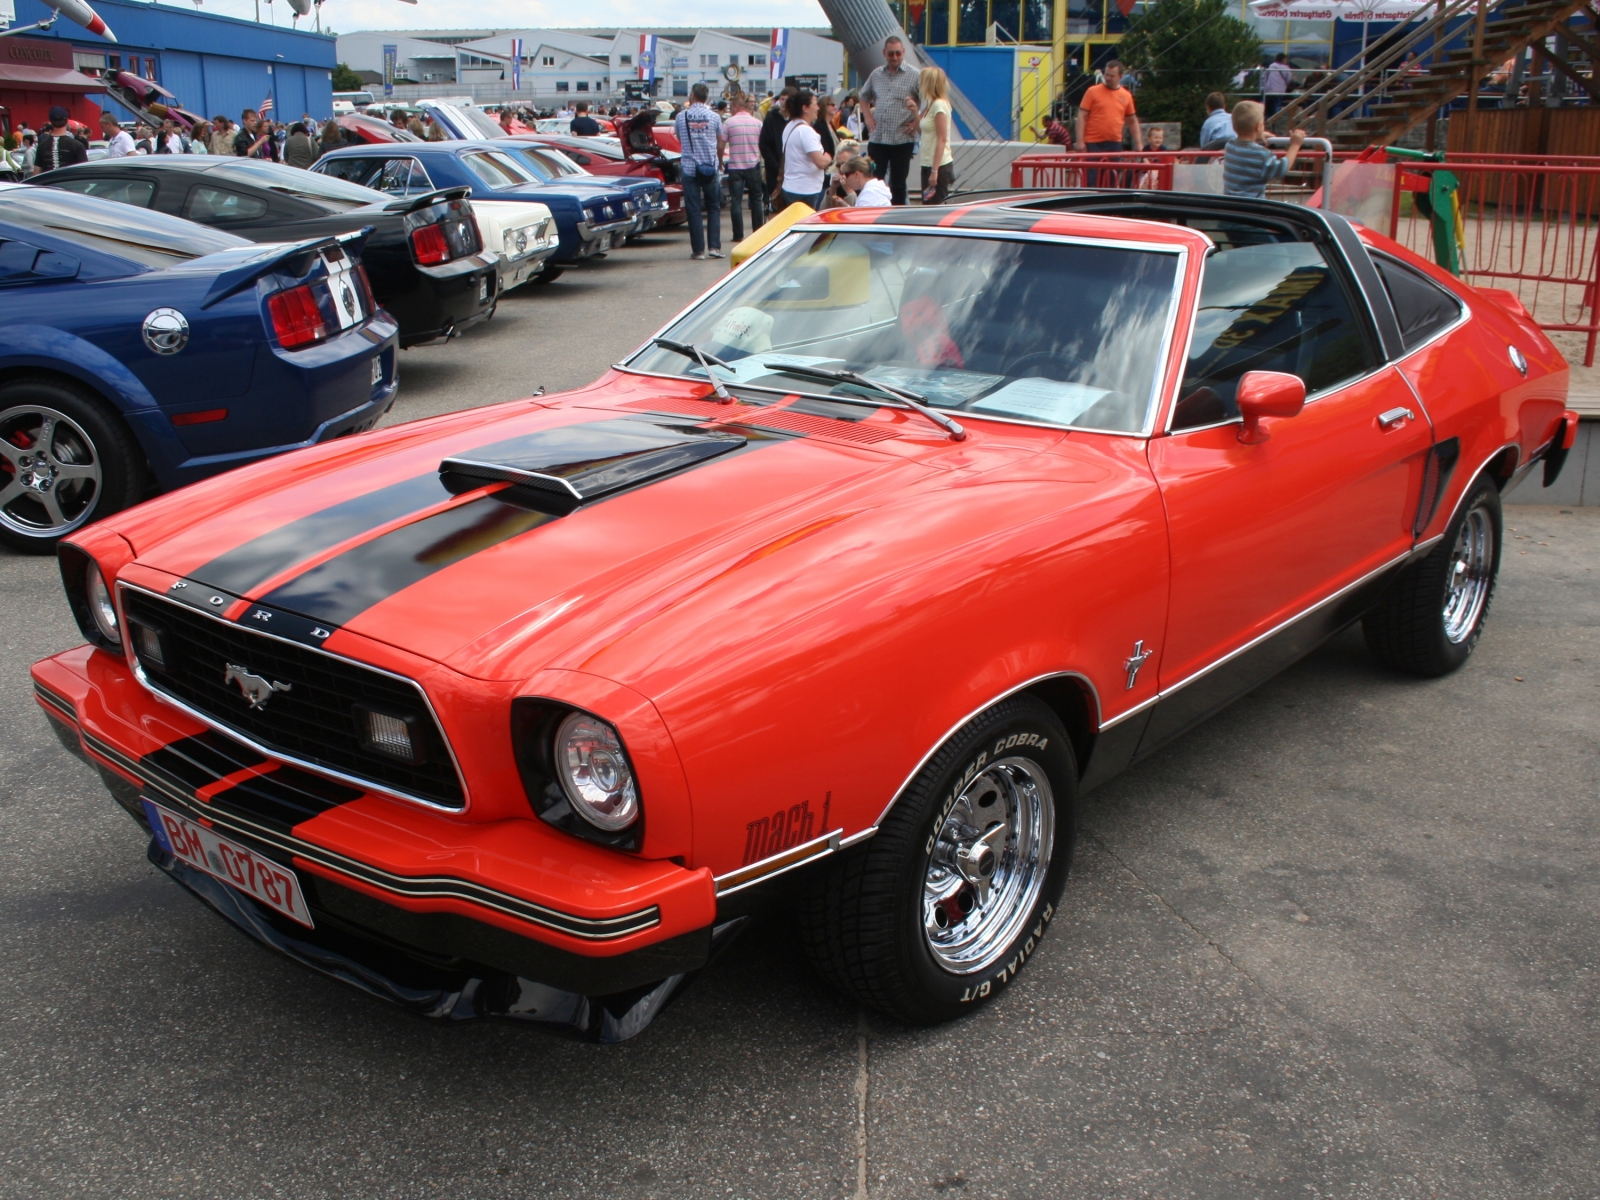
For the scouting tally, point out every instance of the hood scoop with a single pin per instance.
(557, 470)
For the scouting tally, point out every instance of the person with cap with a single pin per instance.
(57, 147)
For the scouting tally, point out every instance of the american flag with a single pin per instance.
(266, 107)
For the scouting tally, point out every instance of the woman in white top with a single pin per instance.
(804, 159)
(870, 191)
(938, 170)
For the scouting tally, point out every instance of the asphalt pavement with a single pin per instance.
(1339, 941)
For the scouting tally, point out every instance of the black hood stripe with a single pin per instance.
(334, 592)
(258, 560)
(340, 589)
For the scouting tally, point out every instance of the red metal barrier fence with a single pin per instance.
(1530, 226)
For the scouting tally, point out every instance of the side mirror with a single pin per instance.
(1267, 394)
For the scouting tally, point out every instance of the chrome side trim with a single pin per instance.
(410, 886)
(282, 756)
(780, 863)
(1398, 560)
(949, 733)
(59, 705)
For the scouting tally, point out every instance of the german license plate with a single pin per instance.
(377, 370)
(200, 848)
(483, 287)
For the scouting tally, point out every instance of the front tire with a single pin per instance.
(548, 275)
(1432, 618)
(65, 460)
(948, 902)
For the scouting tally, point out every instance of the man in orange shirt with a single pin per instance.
(1102, 113)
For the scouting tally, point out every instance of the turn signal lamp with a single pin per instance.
(389, 735)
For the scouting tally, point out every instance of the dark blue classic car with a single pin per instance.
(549, 163)
(592, 217)
(141, 352)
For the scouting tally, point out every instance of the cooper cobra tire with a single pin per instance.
(1431, 619)
(65, 460)
(921, 924)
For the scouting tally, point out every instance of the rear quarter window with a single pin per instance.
(1421, 306)
(218, 206)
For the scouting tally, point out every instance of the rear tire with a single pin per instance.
(946, 904)
(65, 460)
(1431, 619)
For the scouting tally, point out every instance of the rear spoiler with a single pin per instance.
(274, 257)
(412, 204)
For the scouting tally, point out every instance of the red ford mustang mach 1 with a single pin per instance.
(917, 526)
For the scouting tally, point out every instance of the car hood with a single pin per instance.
(499, 581)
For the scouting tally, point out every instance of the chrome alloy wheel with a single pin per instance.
(49, 472)
(989, 861)
(1469, 575)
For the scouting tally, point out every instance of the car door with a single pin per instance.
(1262, 534)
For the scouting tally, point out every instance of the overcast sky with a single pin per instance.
(347, 16)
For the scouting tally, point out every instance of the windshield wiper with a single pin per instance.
(911, 399)
(705, 360)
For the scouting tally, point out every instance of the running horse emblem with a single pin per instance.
(257, 689)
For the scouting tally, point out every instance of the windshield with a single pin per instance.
(295, 182)
(534, 164)
(497, 171)
(475, 118)
(150, 239)
(558, 162)
(1052, 332)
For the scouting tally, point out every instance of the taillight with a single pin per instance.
(296, 317)
(429, 245)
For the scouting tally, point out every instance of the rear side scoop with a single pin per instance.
(557, 470)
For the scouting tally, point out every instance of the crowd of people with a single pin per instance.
(797, 147)
(64, 142)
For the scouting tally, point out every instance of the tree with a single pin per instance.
(346, 80)
(1183, 50)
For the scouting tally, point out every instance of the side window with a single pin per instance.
(138, 192)
(401, 176)
(216, 206)
(1271, 307)
(351, 170)
(1420, 305)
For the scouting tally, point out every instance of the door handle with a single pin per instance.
(1388, 420)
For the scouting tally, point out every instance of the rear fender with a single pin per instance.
(45, 348)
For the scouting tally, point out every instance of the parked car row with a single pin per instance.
(250, 308)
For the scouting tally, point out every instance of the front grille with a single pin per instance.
(313, 721)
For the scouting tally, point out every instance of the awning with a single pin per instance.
(47, 79)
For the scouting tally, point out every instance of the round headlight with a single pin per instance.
(101, 608)
(595, 773)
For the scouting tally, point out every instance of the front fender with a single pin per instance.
(47, 348)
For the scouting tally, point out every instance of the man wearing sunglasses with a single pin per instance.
(889, 103)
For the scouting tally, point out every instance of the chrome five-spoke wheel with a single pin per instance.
(50, 474)
(988, 865)
(1470, 574)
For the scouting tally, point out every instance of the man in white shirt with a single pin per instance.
(118, 142)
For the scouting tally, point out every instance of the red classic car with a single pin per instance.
(918, 525)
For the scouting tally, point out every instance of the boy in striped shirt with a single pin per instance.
(1247, 165)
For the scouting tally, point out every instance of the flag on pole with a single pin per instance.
(778, 54)
(516, 64)
(266, 106)
(646, 65)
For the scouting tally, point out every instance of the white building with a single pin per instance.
(563, 65)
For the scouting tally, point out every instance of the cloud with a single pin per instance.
(348, 16)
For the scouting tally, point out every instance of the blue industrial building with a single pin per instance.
(213, 64)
